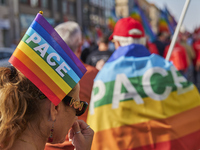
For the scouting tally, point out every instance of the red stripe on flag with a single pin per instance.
(34, 79)
(146, 133)
(187, 142)
(39, 73)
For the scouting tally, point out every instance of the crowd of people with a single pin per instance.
(29, 120)
(185, 55)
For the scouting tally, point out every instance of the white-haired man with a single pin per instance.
(128, 31)
(71, 33)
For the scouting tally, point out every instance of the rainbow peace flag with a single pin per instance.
(138, 14)
(46, 60)
(141, 102)
(170, 18)
(135, 15)
(111, 23)
(164, 24)
(112, 19)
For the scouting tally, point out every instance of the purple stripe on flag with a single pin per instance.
(42, 21)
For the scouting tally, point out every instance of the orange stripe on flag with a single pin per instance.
(33, 78)
(148, 133)
(39, 73)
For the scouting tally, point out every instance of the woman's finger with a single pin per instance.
(71, 134)
(76, 128)
(83, 125)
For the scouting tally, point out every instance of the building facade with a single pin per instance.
(124, 7)
(17, 15)
(5, 25)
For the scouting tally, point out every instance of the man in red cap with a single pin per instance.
(137, 97)
(128, 31)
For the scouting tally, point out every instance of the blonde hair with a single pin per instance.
(19, 103)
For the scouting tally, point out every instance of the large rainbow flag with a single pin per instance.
(141, 102)
(112, 19)
(138, 14)
(46, 60)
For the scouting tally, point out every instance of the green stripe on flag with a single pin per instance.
(66, 78)
(158, 84)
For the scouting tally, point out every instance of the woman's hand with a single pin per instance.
(81, 135)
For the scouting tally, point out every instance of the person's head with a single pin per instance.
(103, 43)
(128, 31)
(182, 36)
(71, 33)
(163, 36)
(24, 107)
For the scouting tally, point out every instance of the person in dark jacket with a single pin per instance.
(99, 57)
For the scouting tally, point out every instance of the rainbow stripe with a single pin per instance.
(135, 15)
(111, 23)
(138, 14)
(143, 103)
(46, 60)
(170, 19)
(162, 25)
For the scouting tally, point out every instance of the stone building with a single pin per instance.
(124, 7)
(17, 15)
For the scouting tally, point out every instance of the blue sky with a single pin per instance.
(192, 17)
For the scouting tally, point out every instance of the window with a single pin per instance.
(44, 4)
(64, 7)
(2, 2)
(4, 55)
(34, 3)
(55, 5)
(24, 1)
(71, 8)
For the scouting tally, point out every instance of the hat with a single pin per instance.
(128, 27)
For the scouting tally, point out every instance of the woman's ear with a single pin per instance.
(53, 112)
(117, 44)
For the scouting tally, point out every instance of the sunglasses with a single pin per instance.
(79, 106)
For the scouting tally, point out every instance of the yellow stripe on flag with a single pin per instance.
(44, 66)
(39, 73)
(138, 135)
(139, 113)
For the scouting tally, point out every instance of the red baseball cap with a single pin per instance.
(128, 27)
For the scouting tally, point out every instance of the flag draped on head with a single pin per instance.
(46, 60)
(141, 102)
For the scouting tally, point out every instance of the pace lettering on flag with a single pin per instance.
(140, 101)
(46, 60)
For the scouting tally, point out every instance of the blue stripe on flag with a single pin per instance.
(120, 66)
(137, 50)
(39, 29)
(70, 72)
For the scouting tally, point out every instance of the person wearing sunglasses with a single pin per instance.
(29, 120)
(71, 34)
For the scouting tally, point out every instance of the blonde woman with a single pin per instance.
(28, 120)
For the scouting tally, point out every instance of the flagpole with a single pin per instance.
(177, 29)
